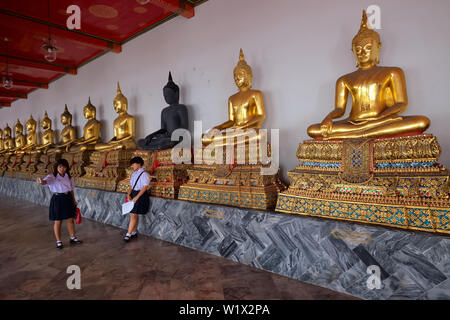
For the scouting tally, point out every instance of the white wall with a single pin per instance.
(297, 49)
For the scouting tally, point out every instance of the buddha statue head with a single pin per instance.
(120, 102)
(7, 132)
(46, 123)
(89, 110)
(171, 91)
(366, 45)
(18, 128)
(243, 73)
(66, 117)
(30, 125)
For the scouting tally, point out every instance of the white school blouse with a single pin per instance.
(144, 180)
(59, 184)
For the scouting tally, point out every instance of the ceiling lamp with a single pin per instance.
(142, 1)
(49, 45)
(7, 81)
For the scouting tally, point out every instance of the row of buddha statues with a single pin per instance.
(376, 166)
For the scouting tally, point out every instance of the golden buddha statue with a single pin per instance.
(378, 97)
(68, 133)
(91, 131)
(124, 127)
(245, 109)
(8, 142)
(48, 137)
(31, 138)
(20, 140)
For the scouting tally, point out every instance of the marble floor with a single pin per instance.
(32, 268)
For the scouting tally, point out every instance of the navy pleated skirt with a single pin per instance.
(142, 205)
(62, 207)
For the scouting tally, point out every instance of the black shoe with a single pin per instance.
(127, 238)
(59, 245)
(134, 236)
(75, 241)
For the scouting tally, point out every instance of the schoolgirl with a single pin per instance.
(62, 204)
(139, 183)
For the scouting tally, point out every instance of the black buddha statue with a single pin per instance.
(173, 117)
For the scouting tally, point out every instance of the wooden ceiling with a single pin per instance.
(105, 26)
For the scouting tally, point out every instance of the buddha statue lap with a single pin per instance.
(109, 161)
(240, 185)
(376, 166)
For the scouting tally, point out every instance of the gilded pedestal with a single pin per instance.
(393, 181)
(167, 177)
(105, 170)
(4, 161)
(78, 161)
(240, 185)
(28, 166)
(45, 165)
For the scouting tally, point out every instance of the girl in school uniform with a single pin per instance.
(139, 183)
(62, 204)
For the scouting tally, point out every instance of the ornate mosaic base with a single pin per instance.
(77, 162)
(251, 197)
(240, 185)
(15, 162)
(394, 181)
(106, 170)
(401, 154)
(369, 210)
(166, 176)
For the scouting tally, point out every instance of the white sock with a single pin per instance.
(128, 234)
(71, 238)
(133, 233)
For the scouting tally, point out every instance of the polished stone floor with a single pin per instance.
(32, 268)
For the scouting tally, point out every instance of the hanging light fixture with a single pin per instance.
(7, 81)
(49, 45)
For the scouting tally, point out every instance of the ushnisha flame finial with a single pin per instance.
(242, 64)
(365, 31)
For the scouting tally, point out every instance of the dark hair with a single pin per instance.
(138, 160)
(64, 163)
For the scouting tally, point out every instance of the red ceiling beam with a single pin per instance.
(5, 104)
(13, 95)
(176, 6)
(23, 62)
(29, 84)
(77, 36)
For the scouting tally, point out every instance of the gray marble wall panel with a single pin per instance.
(328, 253)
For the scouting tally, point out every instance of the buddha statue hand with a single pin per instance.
(326, 127)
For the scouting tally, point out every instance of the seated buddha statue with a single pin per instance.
(245, 109)
(48, 137)
(378, 97)
(68, 133)
(91, 131)
(31, 138)
(124, 127)
(20, 140)
(8, 142)
(173, 117)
